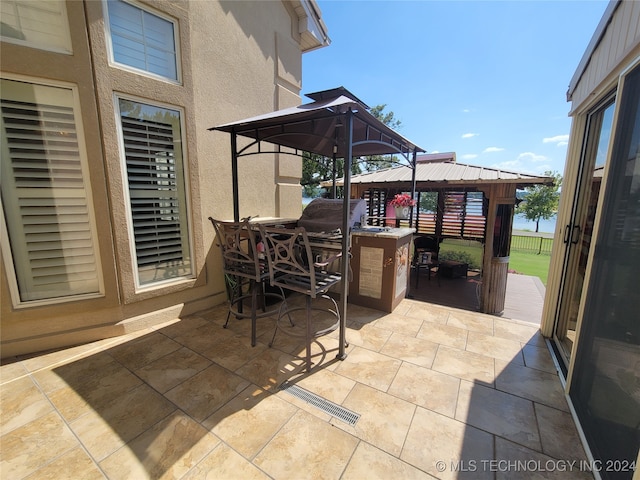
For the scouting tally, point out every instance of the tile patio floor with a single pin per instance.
(192, 400)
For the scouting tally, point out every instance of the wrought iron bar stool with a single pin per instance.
(291, 267)
(244, 266)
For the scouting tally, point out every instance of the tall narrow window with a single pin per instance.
(44, 194)
(142, 40)
(158, 203)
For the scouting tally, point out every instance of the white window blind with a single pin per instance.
(48, 216)
(37, 23)
(142, 40)
(156, 191)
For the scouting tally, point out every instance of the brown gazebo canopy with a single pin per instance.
(336, 124)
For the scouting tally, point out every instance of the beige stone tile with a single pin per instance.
(206, 391)
(444, 334)
(83, 393)
(405, 325)
(223, 463)
(518, 331)
(428, 312)
(327, 384)
(497, 412)
(11, 371)
(169, 449)
(183, 326)
(73, 464)
(496, 347)
(271, 368)
(538, 358)
(363, 315)
(418, 351)
(173, 369)
(536, 385)
(515, 462)
(75, 373)
(250, 420)
(367, 336)
(474, 322)
(559, 434)
(370, 368)
(440, 445)
(144, 350)
(55, 358)
(33, 445)
(303, 445)
(20, 403)
(104, 430)
(204, 339)
(384, 419)
(421, 386)
(234, 351)
(374, 464)
(465, 365)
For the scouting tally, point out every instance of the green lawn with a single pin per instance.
(530, 264)
(527, 263)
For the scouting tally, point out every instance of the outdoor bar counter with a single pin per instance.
(380, 262)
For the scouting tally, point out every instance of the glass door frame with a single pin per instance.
(573, 235)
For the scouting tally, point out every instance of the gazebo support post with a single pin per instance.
(234, 176)
(346, 238)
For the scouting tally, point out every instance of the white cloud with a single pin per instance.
(562, 144)
(557, 139)
(508, 165)
(492, 149)
(469, 156)
(466, 110)
(470, 135)
(532, 157)
(435, 151)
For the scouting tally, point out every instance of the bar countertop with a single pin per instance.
(383, 232)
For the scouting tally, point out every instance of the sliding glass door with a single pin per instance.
(605, 381)
(577, 234)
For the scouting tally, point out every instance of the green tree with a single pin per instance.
(378, 162)
(541, 201)
(316, 168)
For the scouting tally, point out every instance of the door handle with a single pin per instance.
(567, 230)
(575, 236)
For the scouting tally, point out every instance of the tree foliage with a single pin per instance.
(541, 201)
(316, 168)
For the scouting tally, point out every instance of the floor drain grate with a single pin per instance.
(323, 404)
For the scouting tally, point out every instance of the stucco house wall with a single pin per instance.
(236, 59)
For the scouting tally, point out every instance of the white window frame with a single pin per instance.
(139, 287)
(124, 66)
(12, 278)
(64, 34)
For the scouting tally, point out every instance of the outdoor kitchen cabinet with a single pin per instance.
(380, 262)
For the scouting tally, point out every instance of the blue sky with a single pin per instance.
(487, 80)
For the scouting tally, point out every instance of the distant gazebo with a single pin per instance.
(468, 201)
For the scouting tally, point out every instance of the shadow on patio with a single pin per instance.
(192, 400)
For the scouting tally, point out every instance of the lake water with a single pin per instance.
(521, 223)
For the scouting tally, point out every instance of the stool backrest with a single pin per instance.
(290, 259)
(238, 244)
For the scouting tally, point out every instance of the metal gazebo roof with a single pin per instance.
(336, 124)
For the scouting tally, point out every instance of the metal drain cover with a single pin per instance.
(323, 404)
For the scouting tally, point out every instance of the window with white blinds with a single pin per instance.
(46, 206)
(37, 23)
(142, 40)
(158, 204)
